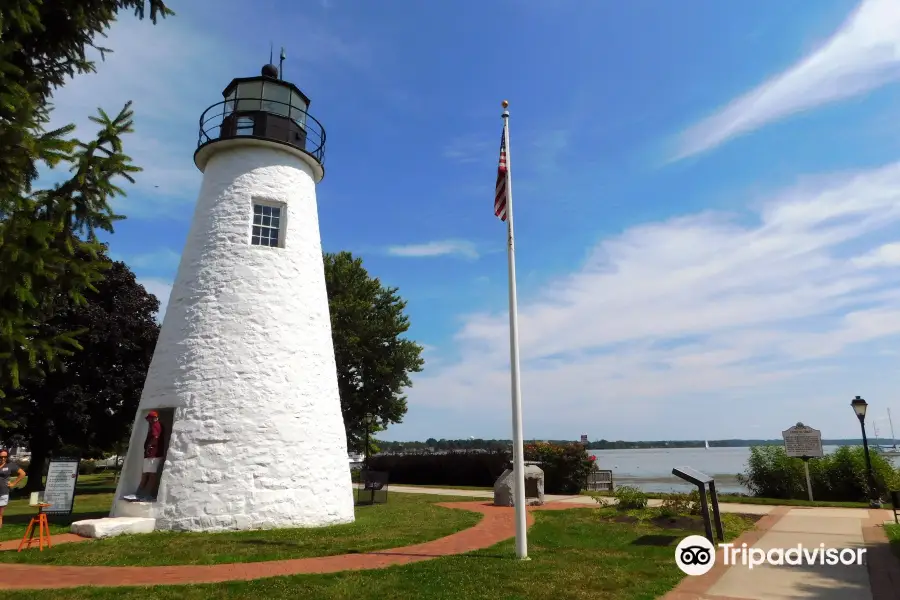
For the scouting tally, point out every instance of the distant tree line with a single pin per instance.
(444, 445)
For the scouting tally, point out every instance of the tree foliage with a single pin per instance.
(373, 358)
(48, 237)
(90, 399)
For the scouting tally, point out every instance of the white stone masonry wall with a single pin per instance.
(245, 356)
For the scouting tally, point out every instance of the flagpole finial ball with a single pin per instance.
(505, 103)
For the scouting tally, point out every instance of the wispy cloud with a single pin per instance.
(165, 70)
(173, 72)
(753, 306)
(462, 248)
(471, 149)
(163, 259)
(884, 256)
(863, 55)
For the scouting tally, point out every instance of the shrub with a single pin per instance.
(87, 467)
(837, 477)
(677, 504)
(628, 497)
(477, 469)
(566, 466)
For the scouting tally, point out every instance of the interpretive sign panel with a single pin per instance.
(584, 438)
(373, 488)
(802, 441)
(59, 491)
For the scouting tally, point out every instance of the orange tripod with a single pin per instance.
(43, 529)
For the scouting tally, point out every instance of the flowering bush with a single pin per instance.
(566, 466)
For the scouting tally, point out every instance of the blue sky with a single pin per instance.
(707, 195)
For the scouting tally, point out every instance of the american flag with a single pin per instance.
(501, 190)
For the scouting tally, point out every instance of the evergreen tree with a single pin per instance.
(49, 252)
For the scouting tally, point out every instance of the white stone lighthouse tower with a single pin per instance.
(243, 377)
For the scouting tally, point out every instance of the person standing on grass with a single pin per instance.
(7, 470)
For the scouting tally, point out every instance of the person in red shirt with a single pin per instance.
(153, 456)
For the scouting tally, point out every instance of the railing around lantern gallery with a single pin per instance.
(263, 119)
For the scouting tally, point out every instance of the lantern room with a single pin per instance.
(264, 108)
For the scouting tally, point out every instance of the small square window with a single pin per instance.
(266, 229)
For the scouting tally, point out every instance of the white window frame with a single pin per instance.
(282, 221)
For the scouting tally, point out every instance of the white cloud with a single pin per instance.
(883, 256)
(697, 312)
(863, 55)
(438, 248)
(173, 72)
(159, 288)
(167, 72)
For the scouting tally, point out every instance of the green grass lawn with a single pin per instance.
(731, 498)
(893, 534)
(783, 502)
(93, 498)
(405, 519)
(575, 554)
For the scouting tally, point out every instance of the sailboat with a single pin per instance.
(893, 451)
(707, 444)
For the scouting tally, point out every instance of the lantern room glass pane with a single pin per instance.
(298, 102)
(298, 109)
(229, 102)
(248, 94)
(276, 98)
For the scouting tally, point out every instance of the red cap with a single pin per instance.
(152, 413)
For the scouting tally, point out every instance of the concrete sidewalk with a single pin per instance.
(877, 578)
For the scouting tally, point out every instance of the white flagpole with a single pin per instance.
(518, 450)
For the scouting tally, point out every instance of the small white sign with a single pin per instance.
(59, 491)
(802, 441)
(584, 438)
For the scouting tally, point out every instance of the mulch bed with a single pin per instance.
(682, 522)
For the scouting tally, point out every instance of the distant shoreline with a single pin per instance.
(432, 445)
(669, 445)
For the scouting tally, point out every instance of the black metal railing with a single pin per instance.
(263, 119)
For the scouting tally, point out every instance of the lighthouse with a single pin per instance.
(241, 396)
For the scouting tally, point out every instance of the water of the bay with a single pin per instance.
(651, 469)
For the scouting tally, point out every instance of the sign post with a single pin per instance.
(59, 492)
(803, 442)
(584, 438)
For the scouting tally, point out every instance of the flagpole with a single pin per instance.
(518, 449)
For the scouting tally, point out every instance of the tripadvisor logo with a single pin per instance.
(696, 555)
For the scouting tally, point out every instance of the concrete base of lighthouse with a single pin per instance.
(245, 363)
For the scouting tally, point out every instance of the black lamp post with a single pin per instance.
(366, 448)
(859, 407)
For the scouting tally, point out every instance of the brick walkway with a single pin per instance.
(494, 527)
